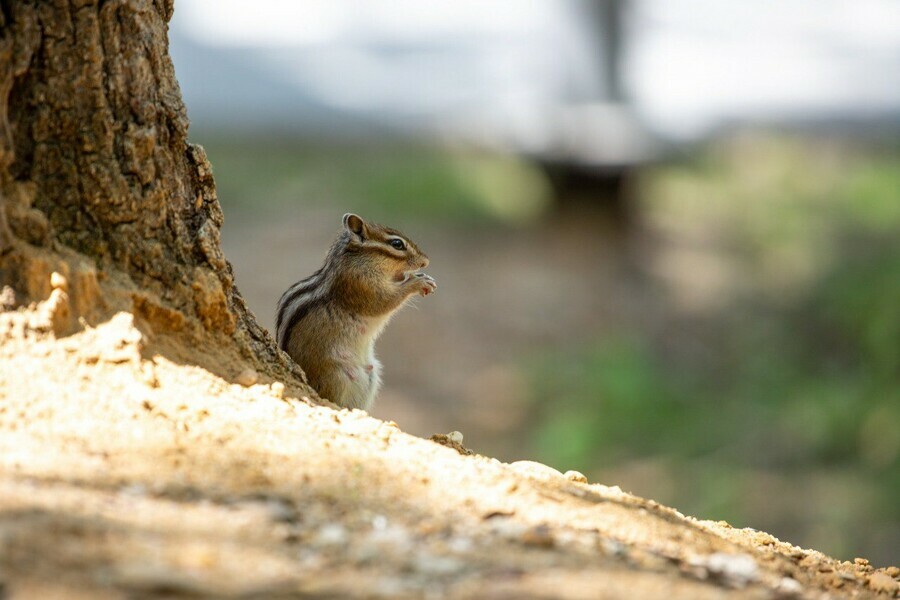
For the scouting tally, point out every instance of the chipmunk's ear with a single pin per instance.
(355, 225)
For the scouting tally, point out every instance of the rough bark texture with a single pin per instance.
(94, 159)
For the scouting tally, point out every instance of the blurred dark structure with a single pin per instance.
(601, 140)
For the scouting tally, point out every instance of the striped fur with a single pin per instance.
(294, 304)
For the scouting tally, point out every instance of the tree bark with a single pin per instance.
(98, 179)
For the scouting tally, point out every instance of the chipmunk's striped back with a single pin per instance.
(303, 296)
(294, 304)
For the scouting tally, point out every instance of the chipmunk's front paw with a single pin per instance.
(426, 283)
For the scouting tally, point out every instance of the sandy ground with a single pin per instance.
(124, 473)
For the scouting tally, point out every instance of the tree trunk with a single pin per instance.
(99, 182)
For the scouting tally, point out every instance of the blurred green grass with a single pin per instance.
(800, 379)
(392, 179)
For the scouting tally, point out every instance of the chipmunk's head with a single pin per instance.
(384, 249)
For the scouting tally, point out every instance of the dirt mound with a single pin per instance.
(126, 469)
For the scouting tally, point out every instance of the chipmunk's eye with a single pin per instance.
(398, 244)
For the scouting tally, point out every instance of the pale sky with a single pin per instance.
(691, 63)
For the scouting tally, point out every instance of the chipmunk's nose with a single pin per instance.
(423, 263)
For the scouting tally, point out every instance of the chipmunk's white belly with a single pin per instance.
(362, 369)
(362, 380)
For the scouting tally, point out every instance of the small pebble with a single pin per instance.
(575, 476)
(332, 534)
(789, 587)
(278, 389)
(58, 281)
(247, 377)
(455, 437)
(739, 569)
(534, 469)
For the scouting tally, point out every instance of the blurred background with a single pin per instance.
(666, 235)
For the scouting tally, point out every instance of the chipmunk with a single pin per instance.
(328, 322)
